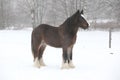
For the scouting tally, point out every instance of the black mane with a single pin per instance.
(71, 24)
(71, 20)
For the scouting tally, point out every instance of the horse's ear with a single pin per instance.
(78, 11)
(82, 12)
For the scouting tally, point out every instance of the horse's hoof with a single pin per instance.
(71, 65)
(37, 65)
(65, 66)
(41, 62)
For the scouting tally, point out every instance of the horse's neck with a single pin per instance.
(71, 30)
(69, 26)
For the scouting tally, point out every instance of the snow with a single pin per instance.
(92, 58)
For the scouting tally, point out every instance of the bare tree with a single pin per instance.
(35, 12)
(116, 8)
(59, 10)
(5, 13)
(70, 6)
(2, 21)
(53, 12)
(35, 9)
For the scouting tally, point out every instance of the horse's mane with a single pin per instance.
(71, 21)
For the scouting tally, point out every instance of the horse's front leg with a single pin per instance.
(69, 50)
(67, 58)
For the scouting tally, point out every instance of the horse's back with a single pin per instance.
(45, 27)
(40, 29)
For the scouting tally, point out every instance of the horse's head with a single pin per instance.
(81, 20)
(75, 21)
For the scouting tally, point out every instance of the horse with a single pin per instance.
(63, 37)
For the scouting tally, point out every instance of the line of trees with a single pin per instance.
(30, 13)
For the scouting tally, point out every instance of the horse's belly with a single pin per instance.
(52, 37)
(54, 43)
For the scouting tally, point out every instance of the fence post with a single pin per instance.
(110, 37)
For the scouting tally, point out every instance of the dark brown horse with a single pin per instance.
(63, 37)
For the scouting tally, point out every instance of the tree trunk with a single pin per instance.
(33, 18)
(2, 15)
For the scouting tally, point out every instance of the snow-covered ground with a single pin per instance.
(92, 58)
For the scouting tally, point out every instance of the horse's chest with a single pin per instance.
(73, 39)
(69, 40)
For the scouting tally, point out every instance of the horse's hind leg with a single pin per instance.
(35, 50)
(35, 45)
(38, 59)
(41, 50)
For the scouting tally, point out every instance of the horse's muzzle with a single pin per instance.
(86, 26)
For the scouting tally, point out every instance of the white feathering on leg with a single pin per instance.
(65, 65)
(36, 63)
(71, 65)
(41, 62)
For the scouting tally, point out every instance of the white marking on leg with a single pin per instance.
(69, 51)
(41, 62)
(36, 63)
(42, 44)
(71, 65)
(65, 65)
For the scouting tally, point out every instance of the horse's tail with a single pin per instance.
(32, 46)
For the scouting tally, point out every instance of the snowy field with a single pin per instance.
(92, 58)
